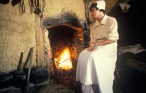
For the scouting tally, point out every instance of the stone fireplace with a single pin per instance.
(65, 35)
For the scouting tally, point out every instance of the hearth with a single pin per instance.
(66, 36)
(65, 43)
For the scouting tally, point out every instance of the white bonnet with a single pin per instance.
(100, 4)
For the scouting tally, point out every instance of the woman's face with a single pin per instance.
(95, 12)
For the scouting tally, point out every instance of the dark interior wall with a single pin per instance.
(131, 25)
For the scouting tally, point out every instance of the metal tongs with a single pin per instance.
(22, 7)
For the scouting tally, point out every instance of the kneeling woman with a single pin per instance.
(96, 64)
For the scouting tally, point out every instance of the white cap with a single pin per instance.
(100, 4)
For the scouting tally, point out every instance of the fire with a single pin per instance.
(64, 61)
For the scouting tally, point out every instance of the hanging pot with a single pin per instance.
(14, 2)
(37, 7)
(4, 1)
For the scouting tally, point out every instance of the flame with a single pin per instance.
(64, 61)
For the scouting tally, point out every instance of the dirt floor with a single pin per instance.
(49, 86)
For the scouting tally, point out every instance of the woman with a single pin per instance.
(96, 64)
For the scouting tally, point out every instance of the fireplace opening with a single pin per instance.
(66, 34)
(66, 43)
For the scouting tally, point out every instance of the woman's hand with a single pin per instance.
(91, 46)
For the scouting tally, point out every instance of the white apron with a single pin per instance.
(97, 67)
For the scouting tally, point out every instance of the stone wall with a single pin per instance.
(54, 7)
(19, 32)
(110, 4)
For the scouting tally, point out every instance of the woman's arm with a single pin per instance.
(103, 42)
(99, 43)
